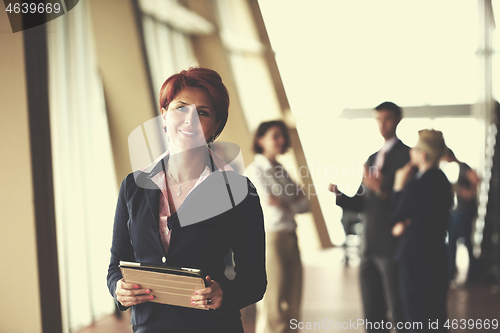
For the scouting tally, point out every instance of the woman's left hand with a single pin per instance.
(400, 227)
(212, 292)
(403, 176)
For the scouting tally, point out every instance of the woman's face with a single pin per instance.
(190, 119)
(273, 141)
(417, 156)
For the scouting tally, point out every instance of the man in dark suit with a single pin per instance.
(377, 270)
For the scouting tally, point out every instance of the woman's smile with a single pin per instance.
(189, 133)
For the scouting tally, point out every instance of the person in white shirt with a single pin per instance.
(281, 199)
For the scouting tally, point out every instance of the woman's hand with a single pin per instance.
(400, 227)
(210, 297)
(129, 294)
(274, 200)
(402, 176)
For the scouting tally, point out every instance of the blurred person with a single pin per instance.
(281, 200)
(463, 215)
(150, 224)
(378, 271)
(351, 221)
(420, 204)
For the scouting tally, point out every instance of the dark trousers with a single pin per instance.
(164, 319)
(460, 226)
(424, 290)
(379, 290)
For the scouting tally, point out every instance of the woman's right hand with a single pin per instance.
(129, 294)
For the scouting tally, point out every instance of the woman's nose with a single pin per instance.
(192, 115)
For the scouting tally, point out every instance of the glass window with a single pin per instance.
(168, 49)
(357, 53)
(82, 161)
(254, 83)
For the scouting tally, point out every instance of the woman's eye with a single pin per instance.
(203, 113)
(181, 108)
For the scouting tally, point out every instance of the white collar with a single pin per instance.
(262, 161)
(219, 164)
(389, 144)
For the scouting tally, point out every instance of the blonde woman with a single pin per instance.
(421, 204)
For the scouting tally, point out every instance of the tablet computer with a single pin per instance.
(169, 285)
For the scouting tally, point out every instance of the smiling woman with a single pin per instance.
(158, 219)
(208, 90)
(191, 120)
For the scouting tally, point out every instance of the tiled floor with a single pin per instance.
(331, 293)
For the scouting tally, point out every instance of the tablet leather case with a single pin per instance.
(169, 285)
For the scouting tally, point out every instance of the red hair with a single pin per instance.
(203, 78)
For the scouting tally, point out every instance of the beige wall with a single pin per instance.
(124, 73)
(211, 54)
(20, 306)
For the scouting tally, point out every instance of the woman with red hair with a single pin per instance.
(189, 211)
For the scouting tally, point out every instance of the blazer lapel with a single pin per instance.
(153, 200)
(152, 192)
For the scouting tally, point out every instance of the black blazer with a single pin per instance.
(200, 245)
(426, 201)
(377, 237)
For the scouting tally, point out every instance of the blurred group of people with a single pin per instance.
(406, 201)
(408, 215)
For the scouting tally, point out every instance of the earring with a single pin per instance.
(164, 129)
(210, 140)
